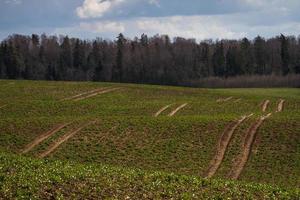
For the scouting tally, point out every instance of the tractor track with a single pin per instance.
(82, 94)
(223, 144)
(242, 159)
(265, 105)
(280, 105)
(96, 93)
(43, 137)
(63, 139)
(177, 109)
(161, 110)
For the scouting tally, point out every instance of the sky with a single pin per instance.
(198, 19)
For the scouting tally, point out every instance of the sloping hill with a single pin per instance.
(127, 132)
(26, 178)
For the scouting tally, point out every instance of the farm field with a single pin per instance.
(196, 143)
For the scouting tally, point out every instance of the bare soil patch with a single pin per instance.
(97, 93)
(161, 110)
(222, 146)
(265, 105)
(177, 109)
(224, 99)
(280, 105)
(43, 137)
(82, 94)
(242, 159)
(63, 139)
(3, 106)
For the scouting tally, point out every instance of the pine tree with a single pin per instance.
(118, 68)
(284, 55)
(246, 57)
(259, 54)
(218, 60)
(66, 60)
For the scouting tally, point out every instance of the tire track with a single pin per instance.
(222, 146)
(161, 110)
(280, 105)
(96, 93)
(63, 139)
(237, 100)
(3, 106)
(82, 94)
(224, 99)
(265, 105)
(177, 109)
(43, 137)
(242, 159)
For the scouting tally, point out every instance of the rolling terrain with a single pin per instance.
(146, 141)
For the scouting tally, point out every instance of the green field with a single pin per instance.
(127, 152)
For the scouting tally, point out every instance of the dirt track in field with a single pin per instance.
(82, 94)
(43, 137)
(280, 105)
(63, 139)
(3, 106)
(177, 109)
(96, 93)
(242, 159)
(265, 105)
(161, 110)
(237, 100)
(224, 99)
(222, 146)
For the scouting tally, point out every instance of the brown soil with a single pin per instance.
(280, 105)
(43, 137)
(61, 140)
(265, 105)
(82, 94)
(177, 109)
(161, 110)
(242, 159)
(222, 146)
(3, 106)
(96, 93)
(224, 99)
(237, 100)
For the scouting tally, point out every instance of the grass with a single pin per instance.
(25, 178)
(127, 136)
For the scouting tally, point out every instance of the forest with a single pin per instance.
(154, 60)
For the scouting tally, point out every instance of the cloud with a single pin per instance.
(199, 27)
(103, 27)
(155, 3)
(96, 8)
(13, 2)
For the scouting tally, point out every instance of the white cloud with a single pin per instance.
(199, 27)
(103, 27)
(96, 8)
(154, 2)
(280, 5)
(14, 2)
(230, 26)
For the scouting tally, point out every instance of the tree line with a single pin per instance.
(155, 60)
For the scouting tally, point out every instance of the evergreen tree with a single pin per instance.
(78, 55)
(260, 58)
(66, 60)
(232, 65)
(218, 60)
(98, 72)
(246, 57)
(13, 62)
(118, 68)
(284, 55)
